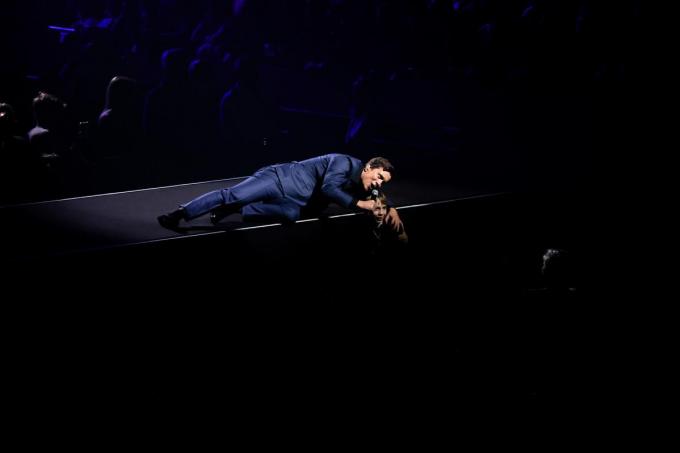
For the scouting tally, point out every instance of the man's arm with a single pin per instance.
(333, 181)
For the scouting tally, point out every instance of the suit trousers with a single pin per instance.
(260, 197)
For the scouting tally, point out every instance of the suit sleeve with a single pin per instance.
(336, 177)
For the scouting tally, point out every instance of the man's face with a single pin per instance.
(374, 178)
(379, 211)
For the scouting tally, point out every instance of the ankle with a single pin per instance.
(179, 213)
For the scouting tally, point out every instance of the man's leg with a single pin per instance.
(263, 185)
(192, 209)
(282, 210)
(202, 204)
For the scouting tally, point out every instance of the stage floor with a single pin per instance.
(54, 228)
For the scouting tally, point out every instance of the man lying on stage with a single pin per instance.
(284, 192)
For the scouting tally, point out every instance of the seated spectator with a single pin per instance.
(53, 140)
(19, 167)
(120, 123)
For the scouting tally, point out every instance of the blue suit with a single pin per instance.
(282, 192)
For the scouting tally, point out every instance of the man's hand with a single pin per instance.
(393, 220)
(366, 204)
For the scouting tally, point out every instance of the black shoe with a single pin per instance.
(171, 219)
(218, 214)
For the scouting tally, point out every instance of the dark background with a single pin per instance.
(542, 100)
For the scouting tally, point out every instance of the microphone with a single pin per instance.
(374, 194)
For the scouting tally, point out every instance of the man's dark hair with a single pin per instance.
(381, 162)
(120, 92)
(47, 108)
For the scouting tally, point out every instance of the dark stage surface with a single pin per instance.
(91, 223)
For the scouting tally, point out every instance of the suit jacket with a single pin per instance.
(317, 181)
